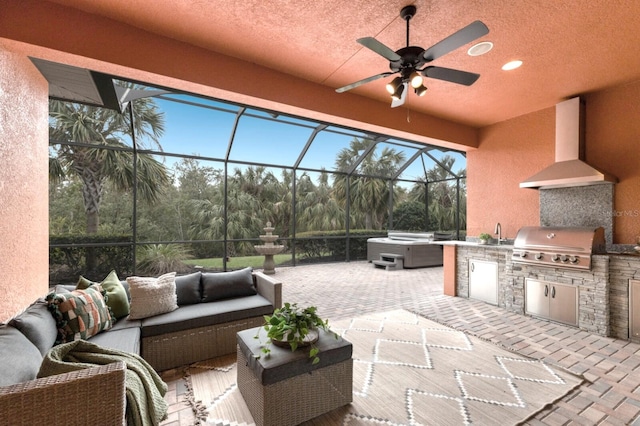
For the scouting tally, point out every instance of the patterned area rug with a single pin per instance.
(409, 371)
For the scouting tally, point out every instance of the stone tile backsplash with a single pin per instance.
(579, 206)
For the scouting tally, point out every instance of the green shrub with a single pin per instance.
(158, 259)
(331, 245)
(69, 254)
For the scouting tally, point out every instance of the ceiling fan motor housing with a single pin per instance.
(410, 57)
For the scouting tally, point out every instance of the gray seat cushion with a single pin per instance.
(126, 323)
(20, 358)
(37, 323)
(206, 314)
(125, 339)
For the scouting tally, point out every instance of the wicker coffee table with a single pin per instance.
(285, 389)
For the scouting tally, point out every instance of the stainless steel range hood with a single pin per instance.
(569, 169)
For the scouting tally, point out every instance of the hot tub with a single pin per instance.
(416, 247)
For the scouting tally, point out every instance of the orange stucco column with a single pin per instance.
(449, 269)
(24, 183)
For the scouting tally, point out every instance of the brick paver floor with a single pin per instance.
(609, 396)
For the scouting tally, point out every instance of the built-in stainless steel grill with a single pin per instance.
(564, 247)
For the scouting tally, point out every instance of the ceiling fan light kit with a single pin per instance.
(416, 80)
(410, 61)
(420, 91)
(393, 85)
(397, 95)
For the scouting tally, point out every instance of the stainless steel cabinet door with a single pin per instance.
(563, 304)
(483, 281)
(634, 310)
(536, 298)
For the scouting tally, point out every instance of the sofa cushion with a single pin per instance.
(20, 358)
(80, 314)
(123, 339)
(227, 285)
(126, 322)
(37, 323)
(188, 289)
(116, 298)
(206, 314)
(152, 296)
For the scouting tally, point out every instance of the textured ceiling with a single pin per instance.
(568, 47)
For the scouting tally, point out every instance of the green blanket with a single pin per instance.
(144, 387)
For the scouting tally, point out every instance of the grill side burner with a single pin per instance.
(558, 247)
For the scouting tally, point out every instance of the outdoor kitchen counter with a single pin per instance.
(624, 253)
(507, 246)
(449, 260)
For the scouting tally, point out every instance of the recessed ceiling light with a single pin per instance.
(511, 65)
(480, 48)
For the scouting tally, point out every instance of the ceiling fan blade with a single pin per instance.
(451, 75)
(403, 97)
(363, 81)
(467, 34)
(379, 48)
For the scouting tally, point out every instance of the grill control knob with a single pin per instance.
(574, 259)
(564, 258)
(523, 254)
(555, 257)
(538, 256)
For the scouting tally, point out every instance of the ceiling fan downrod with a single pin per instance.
(407, 13)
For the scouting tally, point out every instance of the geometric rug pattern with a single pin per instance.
(409, 370)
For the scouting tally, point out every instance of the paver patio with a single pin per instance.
(610, 396)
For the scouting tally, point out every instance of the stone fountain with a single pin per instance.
(268, 249)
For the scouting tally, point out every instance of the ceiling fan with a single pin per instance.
(408, 61)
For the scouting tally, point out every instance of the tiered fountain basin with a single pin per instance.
(268, 249)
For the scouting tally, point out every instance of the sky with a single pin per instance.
(194, 130)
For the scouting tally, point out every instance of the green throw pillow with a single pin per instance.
(117, 298)
(79, 314)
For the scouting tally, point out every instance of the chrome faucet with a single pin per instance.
(498, 232)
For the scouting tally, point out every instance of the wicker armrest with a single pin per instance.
(269, 288)
(93, 396)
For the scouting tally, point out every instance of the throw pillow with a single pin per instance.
(226, 285)
(117, 298)
(37, 324)
(188, 289)
(152, 296)
(80, 314)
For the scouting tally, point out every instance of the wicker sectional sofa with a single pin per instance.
(202, 327)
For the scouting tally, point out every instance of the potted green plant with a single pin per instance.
(294, 327)
(484, 238)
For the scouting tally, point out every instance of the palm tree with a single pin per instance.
(93, 165)
(316, 206)
(442, 196)
(102, 156)
(369, 189)
(250, 199)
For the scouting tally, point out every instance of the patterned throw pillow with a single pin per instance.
(80, 314)
(152, 296)
(117, 298)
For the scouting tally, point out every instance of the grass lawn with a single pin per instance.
(238, 262)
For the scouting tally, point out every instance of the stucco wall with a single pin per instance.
(24, 220)
(509, 152)
(513, 150)
(613, 145)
